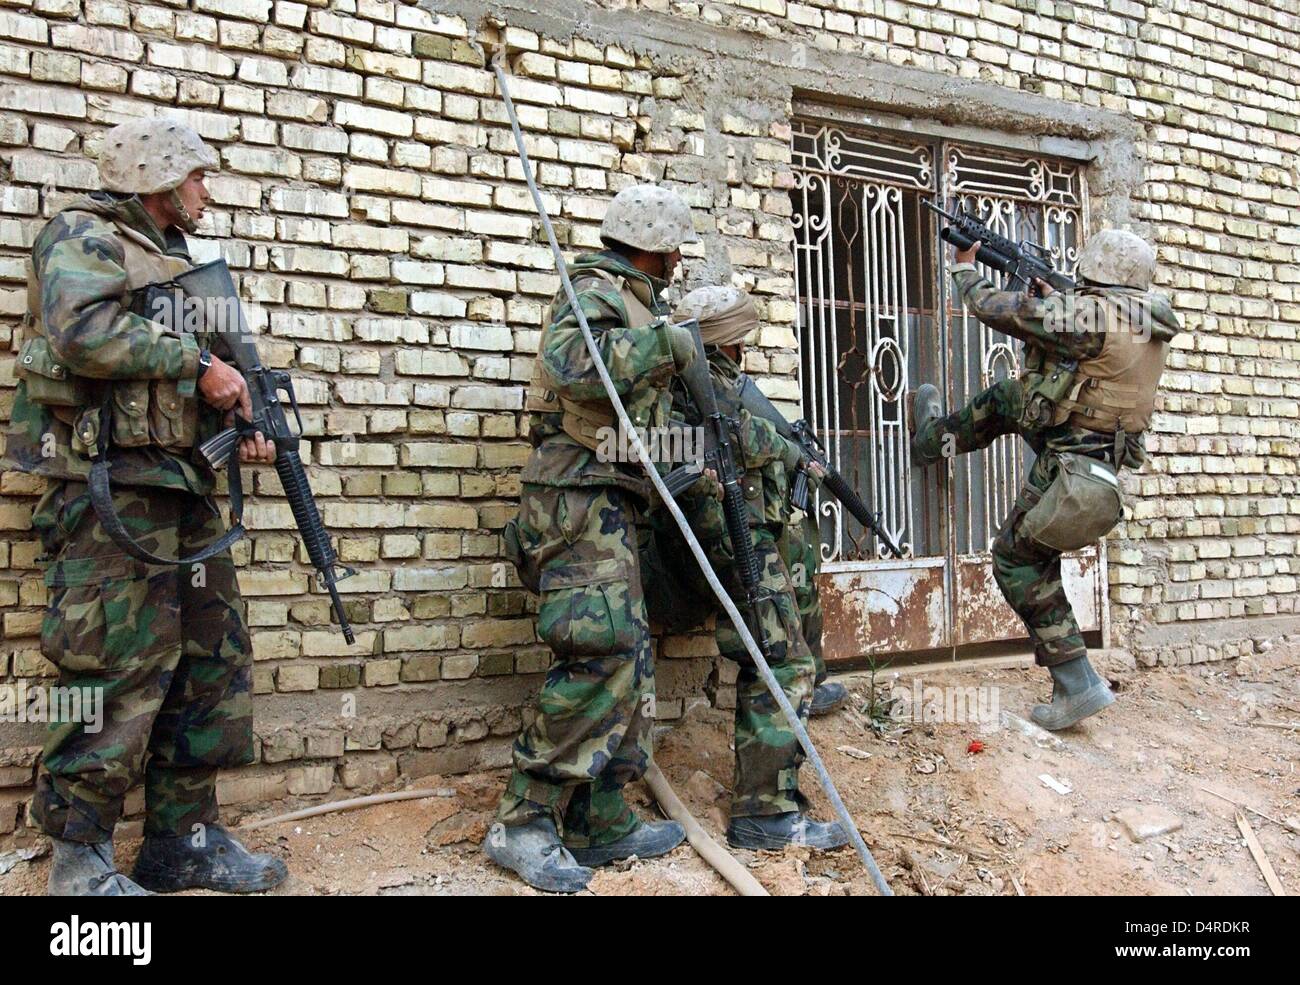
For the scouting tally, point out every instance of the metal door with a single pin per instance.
(875, 319)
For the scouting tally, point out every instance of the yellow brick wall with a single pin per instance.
(372, 203)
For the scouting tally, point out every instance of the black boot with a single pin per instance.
(1077, 692)
(923, 406)
(82, 869)
(649, 839)
(775, 831)
(535, 852)
(828, 697)
(170, 864)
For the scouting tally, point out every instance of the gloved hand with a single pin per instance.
(681, 342)
(708, 485)
(793, 457)
(815, 473)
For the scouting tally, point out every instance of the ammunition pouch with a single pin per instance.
(516, 555)
(48, 381)
(1046, 385)
(583, 422)
(1080, 506)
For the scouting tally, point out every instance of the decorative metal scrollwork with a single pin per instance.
(862, 249)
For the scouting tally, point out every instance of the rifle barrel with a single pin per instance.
(929, 204)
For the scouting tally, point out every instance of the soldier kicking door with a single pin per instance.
(875, 320)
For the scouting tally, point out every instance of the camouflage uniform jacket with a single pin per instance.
(639, 361)
(84, 347)
(1050, 344)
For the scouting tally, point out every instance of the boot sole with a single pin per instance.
(816, 712)
(595, 856)
(1100, 698)
(157, 882)
(762, 843)
(917, 458)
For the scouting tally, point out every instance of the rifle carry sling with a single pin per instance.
(101, 498)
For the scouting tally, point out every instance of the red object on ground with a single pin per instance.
(975, 746)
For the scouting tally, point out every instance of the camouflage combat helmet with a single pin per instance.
(145, 157)
(726, 314)
(1118, 258)
(648, 218)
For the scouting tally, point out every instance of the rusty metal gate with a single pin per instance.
(876, 319)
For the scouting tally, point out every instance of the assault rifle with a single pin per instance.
(755, 401)
(212, 283)
(718, 456)
(1023, 261)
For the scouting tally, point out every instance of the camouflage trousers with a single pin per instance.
(167, 650)
(1028, 573)
(800, 546)
(593, 728)
(768, 754)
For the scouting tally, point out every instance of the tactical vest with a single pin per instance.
(1113, 391)
(584, 420)
(143, 412)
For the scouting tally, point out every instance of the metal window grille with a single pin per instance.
(875, 321)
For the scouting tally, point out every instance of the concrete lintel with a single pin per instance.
(842, 76)
(1069, 148)
(764, 76)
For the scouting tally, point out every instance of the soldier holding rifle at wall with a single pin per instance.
(575, 542)
(767, 808)
(101, 384)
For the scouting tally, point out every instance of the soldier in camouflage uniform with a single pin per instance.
(767, 808)
(800, 546)
(575, 542)
(1093, 359)
(166, 644)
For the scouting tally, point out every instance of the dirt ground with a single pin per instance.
(940, 817)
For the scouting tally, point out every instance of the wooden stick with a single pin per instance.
(341, 805)
(974, 853)
(1257, 850)
(1238, 803)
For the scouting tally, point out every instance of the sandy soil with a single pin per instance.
(940, 818)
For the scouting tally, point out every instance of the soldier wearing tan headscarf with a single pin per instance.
(767, 809)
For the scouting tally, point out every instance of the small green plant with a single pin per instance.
(880, 704)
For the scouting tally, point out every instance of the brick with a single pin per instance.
(193, 58)
(44, 100)
(416, 638)
(357, 116)
(98, 41)
(297, 677)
